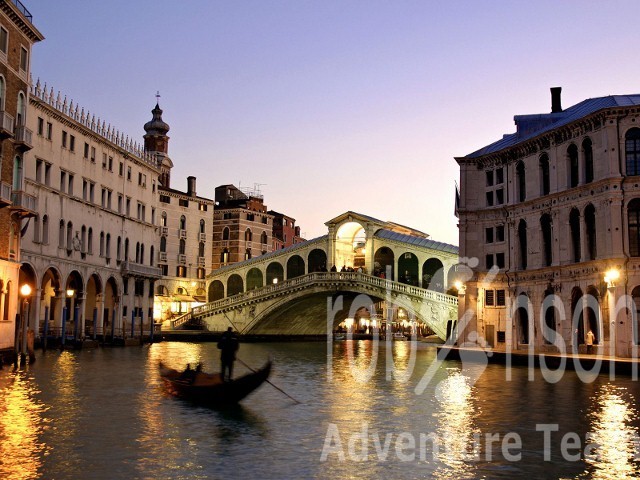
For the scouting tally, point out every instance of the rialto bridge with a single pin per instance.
(313, 286)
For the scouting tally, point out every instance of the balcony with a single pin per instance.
(22, 138)
(203, 237)
(129, 268)
(164, 231)
(6, 125)
(162, 257)
(182, 259)
(5, 194)
(23, 204)
(182, 233)
(201, 261)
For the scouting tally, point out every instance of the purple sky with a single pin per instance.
(333, 105)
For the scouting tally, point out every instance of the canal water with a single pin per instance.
(103, 414)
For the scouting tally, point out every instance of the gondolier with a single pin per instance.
(228, 346)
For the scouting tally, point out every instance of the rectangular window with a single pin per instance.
(120, 203)
(128, 212)
(93, 154)
(109, 199)
(24, 59)
(165, 199)
(110, 164)
(183, 202)
(70, 190)
(499, 176)
(63, 181)
(488, 235)
(39, 167)
(500, 233)
(489, 298)
(489, 177)
(85, 190)
(500, 260)
(49, 130)
(40, 126)
(86, 151)
(121, 169)
(104, 198)
(165, 270)
(104, 160)
(64, 139)
(92, 189)
(72, 143)
(499, 196)
(488, 261)
(47, 174)
(153, 186)
(202, 207)
(140, 211)
(4, 40)
(153, 215)
(500, 298)
(129, 173)
(181, 271)
(490, 199)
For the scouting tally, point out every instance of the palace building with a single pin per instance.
(549, 220)
(17, 36)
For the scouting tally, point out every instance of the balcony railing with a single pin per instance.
(23, 10)
(131, 268)
(203, 237)
(182, 259)
(162, 256)
(24, 203)
(182, 233)
(164, 231)
(6, 125)
(23, 137)
(201, 261)
(5, 193)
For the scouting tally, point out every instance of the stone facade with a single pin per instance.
(549, 221)
(17, 35)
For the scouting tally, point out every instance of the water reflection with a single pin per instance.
(613, 438)
(456, 426)
(21, 423)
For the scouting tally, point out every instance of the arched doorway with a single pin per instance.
(216, 291)
(72, 310)
(549, 315)
(275, 273)
(577, 317)
(254, 279)
(433, 275)
(110, 306)
(295, 267)
(522, 320)
(92, 298)
(317, 260)
(592, 314)
(50, 307)
(383, 262)
(234, 285)
(408, 269)
(350, 246)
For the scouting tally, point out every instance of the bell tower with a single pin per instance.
(156, 142)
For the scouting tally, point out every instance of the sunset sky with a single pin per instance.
(333, 105)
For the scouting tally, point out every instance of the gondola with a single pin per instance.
(209, 389)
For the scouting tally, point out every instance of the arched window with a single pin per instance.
(45, 229)
(549, 310)
(248, 236)
(108, 247)
(142, 254)
(201, 249)
(521, 182)
(126, 249)
(572, 164)
(263, 238)
(522, 240)
(183, 246)
(544, 174)
(69, 236)
(547, 246)
(163, 219)
(22, 110)
(83, 239)
(590, 230)
(522, 320)
(183, 222)
(151, 259)
(90, 241)
(163, 244)
(632, 151)
(225, 234)
(574, 226)
(633, 216)
(137, 252)
(36, 229)
(61, 235)
(202, 228)
(119, 249)
(587, 150)
(102, 244)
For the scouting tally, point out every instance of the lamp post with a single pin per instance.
(71, 294)
(25, 292)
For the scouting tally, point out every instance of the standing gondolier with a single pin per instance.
(228, 346)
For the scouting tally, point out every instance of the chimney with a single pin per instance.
(556, 106)
(191, 186)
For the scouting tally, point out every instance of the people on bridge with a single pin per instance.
(228, 346)
(344, 268)
(334, 269)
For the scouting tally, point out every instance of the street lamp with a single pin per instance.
(611, 276)
(460, 287)
(275, 280)
(25, 292)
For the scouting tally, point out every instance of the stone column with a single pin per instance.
(35, 306)
(98, 328)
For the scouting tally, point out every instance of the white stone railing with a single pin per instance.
(326, 277)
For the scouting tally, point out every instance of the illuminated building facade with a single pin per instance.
(551, 215)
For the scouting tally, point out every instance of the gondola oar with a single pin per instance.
(266, 380)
